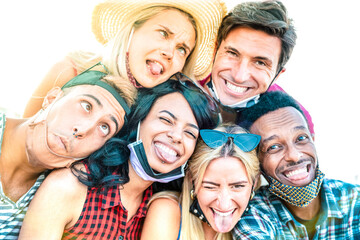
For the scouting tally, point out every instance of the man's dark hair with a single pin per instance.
(267, 16)
(268, 102)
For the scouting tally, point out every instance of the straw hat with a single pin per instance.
(109, 15)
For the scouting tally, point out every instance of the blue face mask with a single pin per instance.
(142, 168)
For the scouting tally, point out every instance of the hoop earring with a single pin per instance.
(252, 195)
(192, 194)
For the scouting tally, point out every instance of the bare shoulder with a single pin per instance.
(64, 181)
(165, 205)
(162, 220)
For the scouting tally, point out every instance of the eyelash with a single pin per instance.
(85, 107)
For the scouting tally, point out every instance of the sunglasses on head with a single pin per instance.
(193, 85)
(215, 139)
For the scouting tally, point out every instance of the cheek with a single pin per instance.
(189, 147)
(205, 198)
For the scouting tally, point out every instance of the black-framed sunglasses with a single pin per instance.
(245, 141)
(193, 85)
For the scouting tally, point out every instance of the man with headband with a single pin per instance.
(74, 122)
(254, 42)
(299, 202)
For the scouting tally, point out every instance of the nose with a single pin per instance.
(241, 72)
(81, 131)
(224, 199)
(293, 154)
(175, 135)
(167, 51)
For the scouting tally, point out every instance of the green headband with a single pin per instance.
(91, 77)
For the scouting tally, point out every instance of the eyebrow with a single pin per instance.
(174, 117)
(171, 33)
(234, 183)
(297, 128)
(232, 49)
(100, 105)
(257, 57)
(95, 99)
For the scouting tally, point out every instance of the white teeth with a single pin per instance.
(235, 88)
(297, 171)
(223, 214)
(166, 149)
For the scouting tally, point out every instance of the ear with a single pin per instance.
(215, 50)
(280, 72)
(51, 96)
(257, 182)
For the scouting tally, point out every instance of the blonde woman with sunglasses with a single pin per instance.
(220, 180)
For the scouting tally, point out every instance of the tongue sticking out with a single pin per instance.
(223, 223)
(166, 153)
(154, 67)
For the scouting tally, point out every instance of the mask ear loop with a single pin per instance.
(277, 74)
(138, 132)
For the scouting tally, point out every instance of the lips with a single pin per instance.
(235, 88)
(298, 175)
(166, 153)
(155, 67)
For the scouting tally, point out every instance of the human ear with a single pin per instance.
(51, 96)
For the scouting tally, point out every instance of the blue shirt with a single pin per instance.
(268, 217)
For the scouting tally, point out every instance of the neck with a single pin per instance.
(209, 232)
(308, 212)
(134, 189)
(17, 175)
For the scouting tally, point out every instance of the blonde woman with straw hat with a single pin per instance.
(220, 180)
(145, 42)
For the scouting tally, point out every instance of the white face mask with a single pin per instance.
(142, 168)
(242, 104)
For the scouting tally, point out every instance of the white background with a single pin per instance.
(322, 73)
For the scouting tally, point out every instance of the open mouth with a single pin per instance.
(298, 173)
(222, 214)
(223, 220)
(234, 88)
(154, 67)
(165, 153)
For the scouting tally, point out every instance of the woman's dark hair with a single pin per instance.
(108, 166)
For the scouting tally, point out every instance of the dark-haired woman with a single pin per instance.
(109, 201)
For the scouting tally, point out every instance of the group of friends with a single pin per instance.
(164, 134)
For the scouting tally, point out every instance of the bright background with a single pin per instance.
(322, 73)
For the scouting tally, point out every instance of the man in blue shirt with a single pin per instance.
(299, 202)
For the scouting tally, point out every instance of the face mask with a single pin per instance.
(142, 168)
(297, 196)
(242, 104)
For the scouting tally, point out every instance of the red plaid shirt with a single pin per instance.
(104, 217)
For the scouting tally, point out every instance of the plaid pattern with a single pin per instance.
(104, 217)
(298, 196)
(268, 218)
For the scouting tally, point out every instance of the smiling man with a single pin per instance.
(73, 122)
(299, 202)
(254, 43)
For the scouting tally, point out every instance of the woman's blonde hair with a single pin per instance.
(114, 54)
(191, 225)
